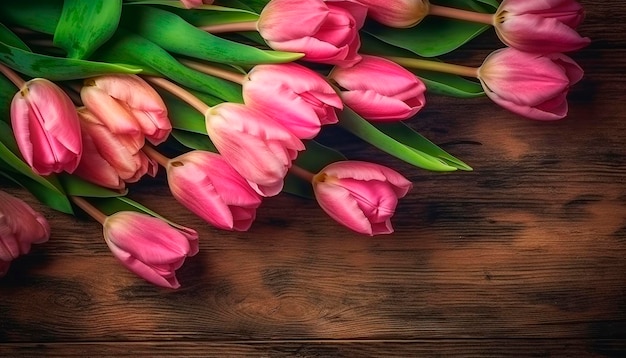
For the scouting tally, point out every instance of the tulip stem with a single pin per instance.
(152, 153)
(230, 27)
(428, 65)
(89, 209)
(459, 14)
(12, 76)
(302, 173)
(215, 71)
(179, 92)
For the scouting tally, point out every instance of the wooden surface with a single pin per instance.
(524, 256)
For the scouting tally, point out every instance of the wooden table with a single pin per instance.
(524, 256)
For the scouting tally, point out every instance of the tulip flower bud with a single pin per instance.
(293, 95)
(46, 128)
(397, 13)
(531, 85)
(324, 31)
(396, 94)
(149, 246)
(208, 186)
(20, 227)
(359, 195)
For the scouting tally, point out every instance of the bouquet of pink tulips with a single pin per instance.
(93, 93)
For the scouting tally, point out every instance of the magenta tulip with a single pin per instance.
(148, 246)
(324, 31)
(395, 94)
(20, 227)
(46, 128)
(359, 195)
(295, 96)
(208, 186)
(531, 85)
(257, 146)
(397, 13)
(127, 104)
(540, 26)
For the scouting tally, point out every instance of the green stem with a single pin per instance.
(415, 63)
(215, 71)
(98, 215)
(459, 14)
(12, 76)
(179, 92)
(158, 157)
(230, 27)
(302, 173)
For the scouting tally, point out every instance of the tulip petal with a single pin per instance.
(533, 33)
(339, 205)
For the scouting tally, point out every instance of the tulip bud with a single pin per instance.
(397, 13)
(46, 128)
(208, 186)
(293, 95)
(149, 246)
(20, 227)
(396, 94)
(359, 195)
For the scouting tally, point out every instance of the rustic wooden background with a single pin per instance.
(524, 256)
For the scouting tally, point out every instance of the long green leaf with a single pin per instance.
(76, 186)
(85, 25)
(8, 37)
(358, 126)
(37, 15)
(50, 197)
(7, 91)
(194, 140)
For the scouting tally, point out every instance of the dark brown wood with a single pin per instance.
(524, 256)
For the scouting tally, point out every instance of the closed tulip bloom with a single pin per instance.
(20, 227)
(258, 147)
(540, 26)
(531, 85)
(95, 169)
(192, 4)
(149, 246)
(295, 96)
(360, 195)
(397, 13)
(121, 151)
(45, 125)
(208, 186)
(379, 89)
(128, 104)
(324, 31)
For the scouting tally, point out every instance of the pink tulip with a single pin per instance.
(20, 227)
(192, 4)
(46, 128)
(258, 147)
(295, 96)
(324, 31)
(121, 151)
(359, 195)
(397, 13)
(379, 89)
(531, 85)
(149, 246)
(128, 104)
(208, 186)
(540, 26)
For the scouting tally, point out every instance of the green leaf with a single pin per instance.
(208, 14)
(131, 48)
(167, 29)
(252, 5)
(358, 126)
(76, 186)
(50, 197)
(57, 68)
(8, 37)
(85, 25)
(37, 15)
(7, 92)
(194, 140)
(185, 117)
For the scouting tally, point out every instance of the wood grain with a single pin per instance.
(524, 256)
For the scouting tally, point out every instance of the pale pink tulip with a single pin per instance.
(540, 26)
(208, 186)
(127, 104)
(360, 195)
(324, 31)
(121, 151)
(20, 227)
(397, 13)
(379, 89)
(45, 125)
(192, 4)
(531, 85)
(295, 96)
(148, 246)
(257, 146)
